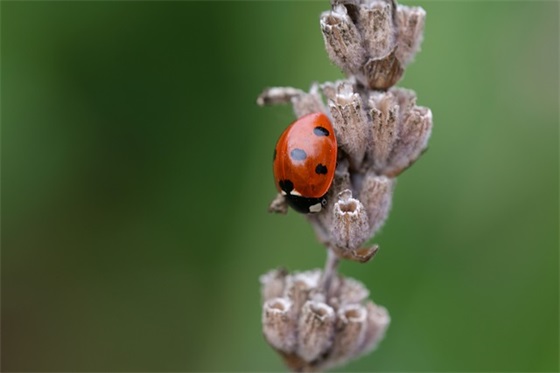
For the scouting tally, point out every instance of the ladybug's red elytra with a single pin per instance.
(305, 161)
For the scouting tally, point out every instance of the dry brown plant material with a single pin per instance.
(317, 319)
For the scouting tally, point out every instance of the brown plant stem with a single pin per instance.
(330, 271)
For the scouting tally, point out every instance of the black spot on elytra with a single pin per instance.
(286, 185)
(321, 169)
(298, 154)
(320, 131)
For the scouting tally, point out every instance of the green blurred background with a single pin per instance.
(137, 172)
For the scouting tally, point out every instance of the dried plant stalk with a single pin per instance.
(318, 319)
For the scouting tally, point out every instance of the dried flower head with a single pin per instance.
(313, 330)
(372, 40)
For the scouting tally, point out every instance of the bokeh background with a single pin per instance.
(136, 173)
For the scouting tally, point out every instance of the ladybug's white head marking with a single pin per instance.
(316, 207)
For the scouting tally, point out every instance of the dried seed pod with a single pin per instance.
(400, 130)
(376, 23)
(350, 227)
(414, 131)
(278, 95)
(351, 331)
(376, 196)
(316, 329)
(331, 89)
(308, 103)
(384, 129)
(350, 123)
(279, 204)
(278, 324)
(342, 39)
(351, 291)
(298, 291)
(411, 29)
(273, 284)
(377, 323)
(302, 102)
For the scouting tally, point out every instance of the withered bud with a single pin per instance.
(278, 325)
(384, 126)
(350, 225)
(400, 130)
(298, 290)
(308, 103)
(376, 22)
(411, 29)
(354, 291)
(350, 123)
(377, 323)
(331, 89)
(279, 204)
(352, 326)
(302, 102)
(342, 40)
(415, 131)
(316, 329)
(273, 284)
(376, 196)
(278, 95)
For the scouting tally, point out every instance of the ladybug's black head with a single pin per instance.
(306, 205)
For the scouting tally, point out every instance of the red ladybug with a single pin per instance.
(305, 161)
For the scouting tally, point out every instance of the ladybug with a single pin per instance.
(304, 162)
